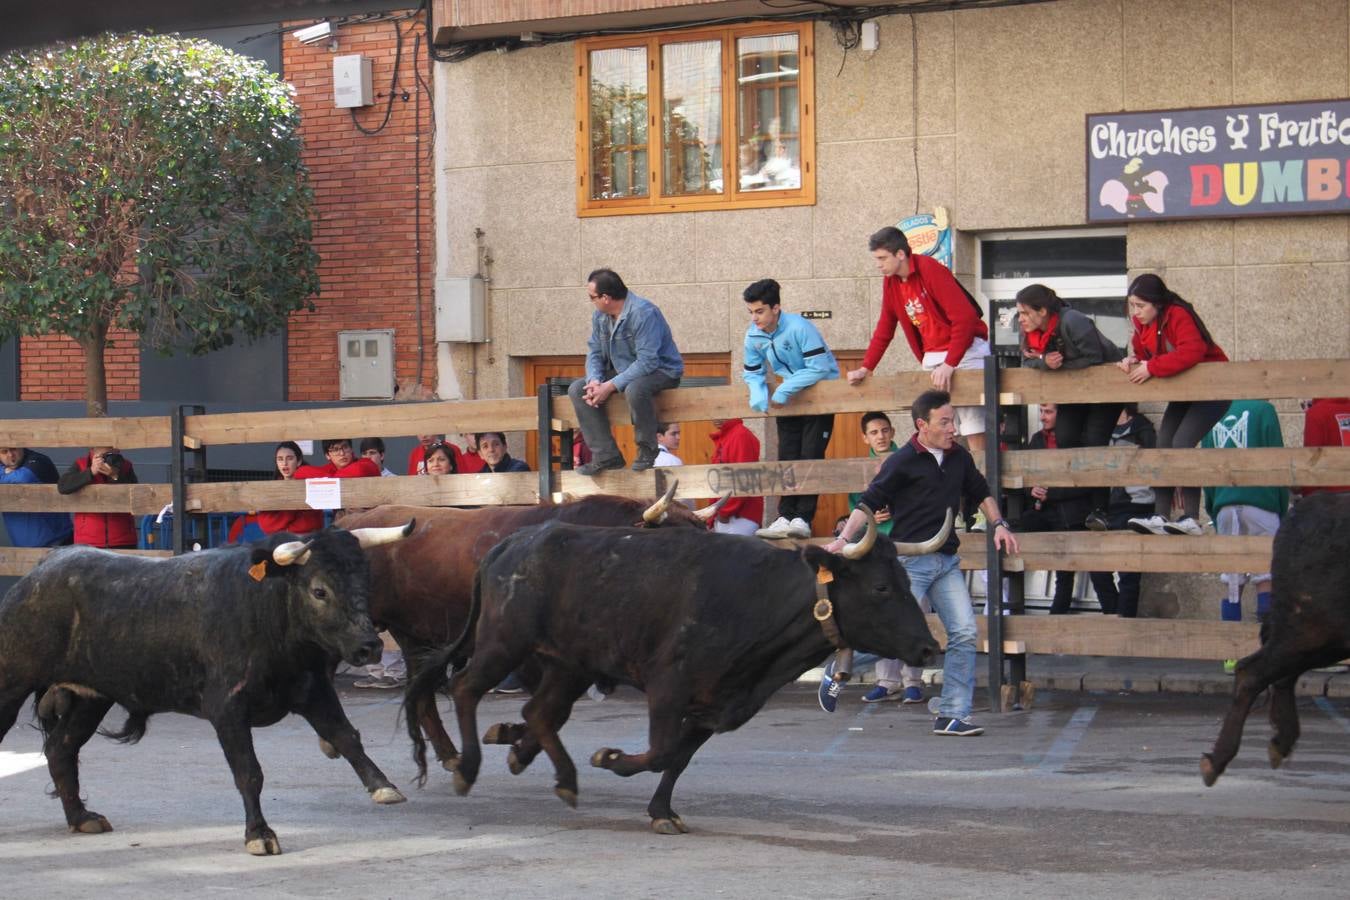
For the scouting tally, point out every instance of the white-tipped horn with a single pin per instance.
(373, 537)
(656, 513)
(709, 512)
(861, 548)
(928, 546)
(291, 553)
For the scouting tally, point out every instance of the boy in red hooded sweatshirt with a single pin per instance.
(734, 443)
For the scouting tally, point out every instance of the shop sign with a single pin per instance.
(1275, 159)
(929, 234)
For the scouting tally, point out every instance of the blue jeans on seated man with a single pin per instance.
(939, 576)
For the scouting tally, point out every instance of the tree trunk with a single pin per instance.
(95, 373)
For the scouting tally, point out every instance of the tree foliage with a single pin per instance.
(153, 184)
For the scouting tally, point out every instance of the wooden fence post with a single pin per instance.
(179, 473)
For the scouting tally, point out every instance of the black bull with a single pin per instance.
(708, 625)
(1308, 625)
(240, 636)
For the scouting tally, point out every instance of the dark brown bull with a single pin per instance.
(1308, 626)
(708, 625)
(421, 588)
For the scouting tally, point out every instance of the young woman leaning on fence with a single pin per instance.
(1057, 337)
(1169, 338)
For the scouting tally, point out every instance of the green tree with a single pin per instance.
(153, 184)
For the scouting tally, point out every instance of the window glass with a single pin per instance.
(618, 104)
(768, 124)
(691, 117)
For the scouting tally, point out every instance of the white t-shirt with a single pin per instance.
(665, 458)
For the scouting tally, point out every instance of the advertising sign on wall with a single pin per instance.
(929, 234)
(1219, 162)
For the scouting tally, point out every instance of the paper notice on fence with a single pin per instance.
(323, 493)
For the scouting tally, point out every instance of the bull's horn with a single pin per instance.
(861, 548)
(373, 537)
(707, 513)
(928, 546)
(656, 513)
(291, 552)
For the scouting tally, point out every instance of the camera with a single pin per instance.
(113, 459)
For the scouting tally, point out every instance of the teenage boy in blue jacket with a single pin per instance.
(796, 352)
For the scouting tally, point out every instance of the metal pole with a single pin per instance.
(993, 594)
(178, 477)
(544, 448)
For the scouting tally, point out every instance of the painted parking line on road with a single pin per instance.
(1325, 706)
(1061, 751)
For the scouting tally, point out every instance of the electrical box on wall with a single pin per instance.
(352, 82)
(366, 365)
(461, 310)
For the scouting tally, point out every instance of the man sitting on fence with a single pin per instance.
(630, 350)
(102, 465)
(31, 529)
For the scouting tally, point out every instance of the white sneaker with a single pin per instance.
(1184, 525)
(1154, 524)
(780, 528)
(798, 528)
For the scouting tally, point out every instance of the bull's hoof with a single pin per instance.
(672, 825)
(328, 749)
(387, 796)
(462, 784)
(514, 764)
(450, 763)
(604, 756)
(90, 823)
(265, 844)
(1208, 773)
(494, 734)
(567, 795)
(1276, 757)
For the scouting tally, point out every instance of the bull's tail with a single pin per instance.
(132, 730)
(432, 676)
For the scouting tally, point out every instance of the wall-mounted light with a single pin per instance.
(314, 34)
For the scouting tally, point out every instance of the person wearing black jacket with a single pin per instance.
(1054, 509)
(920, 483)
(1057, 337)
(1132, 430)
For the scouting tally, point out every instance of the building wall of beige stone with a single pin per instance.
(996, 136)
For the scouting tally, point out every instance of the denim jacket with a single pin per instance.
(638, 343)
(797, 353)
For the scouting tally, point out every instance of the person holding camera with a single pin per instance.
(102, 465)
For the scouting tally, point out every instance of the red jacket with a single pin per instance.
(106, 529)
(1182, 344)
(303, 521)
(947, 316)
(734, 443)
(1327, 424)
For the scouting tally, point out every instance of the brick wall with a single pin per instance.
(365, 229)
(365, 198)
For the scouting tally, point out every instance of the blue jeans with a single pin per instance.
(939, 576)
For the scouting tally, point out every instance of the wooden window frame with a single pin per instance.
(733, 197)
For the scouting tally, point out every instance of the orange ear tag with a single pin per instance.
(824, 576)
(258, 571)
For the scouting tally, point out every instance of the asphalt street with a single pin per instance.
(1084, 795)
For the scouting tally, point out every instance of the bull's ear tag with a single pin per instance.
(824, 576)
(258, 571)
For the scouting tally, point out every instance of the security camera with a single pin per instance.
(314, 34)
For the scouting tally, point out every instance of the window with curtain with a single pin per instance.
(732, 125)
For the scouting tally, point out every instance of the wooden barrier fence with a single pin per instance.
(1080, 551)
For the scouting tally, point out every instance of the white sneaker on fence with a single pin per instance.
(780, 528)
(799, 528)
(1184, 525)
(1149, 524)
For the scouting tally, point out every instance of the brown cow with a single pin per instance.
(421, 587)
